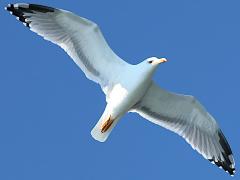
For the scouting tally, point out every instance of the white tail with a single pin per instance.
(96, 131)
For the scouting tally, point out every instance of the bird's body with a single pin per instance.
(124, 95)
(127, 87)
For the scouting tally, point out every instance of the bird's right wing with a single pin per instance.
(185, 116)
(79, 37)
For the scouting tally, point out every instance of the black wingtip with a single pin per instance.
(41, 8)
(223, 165)
(16, 11)
(9, 7)
(21, 9)
(228, 164)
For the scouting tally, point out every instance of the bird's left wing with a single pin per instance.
(185, 116)
(79, 37)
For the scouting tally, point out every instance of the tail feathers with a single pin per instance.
(102, 136)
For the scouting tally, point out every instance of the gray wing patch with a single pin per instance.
(84, 58)
(24, 12)
(78, 36)
(185, 116)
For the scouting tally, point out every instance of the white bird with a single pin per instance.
(128, 88)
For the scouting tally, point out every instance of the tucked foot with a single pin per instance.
(106, 124)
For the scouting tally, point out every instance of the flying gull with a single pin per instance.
(124, 89)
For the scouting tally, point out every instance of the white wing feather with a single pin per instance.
(185, 116)
(79, 37)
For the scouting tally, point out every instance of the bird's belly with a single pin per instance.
(123, 97)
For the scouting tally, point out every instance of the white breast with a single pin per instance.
(117, 95)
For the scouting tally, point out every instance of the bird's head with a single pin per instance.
(151, 64)
(153, 61)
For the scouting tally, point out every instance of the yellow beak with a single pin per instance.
(161, 60)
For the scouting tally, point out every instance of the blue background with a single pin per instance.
(48, 107)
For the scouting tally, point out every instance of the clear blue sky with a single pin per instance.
(48, 107)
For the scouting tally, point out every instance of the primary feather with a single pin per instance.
(185, 116)
(79, 37)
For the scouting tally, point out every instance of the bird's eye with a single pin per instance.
(150, 62)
